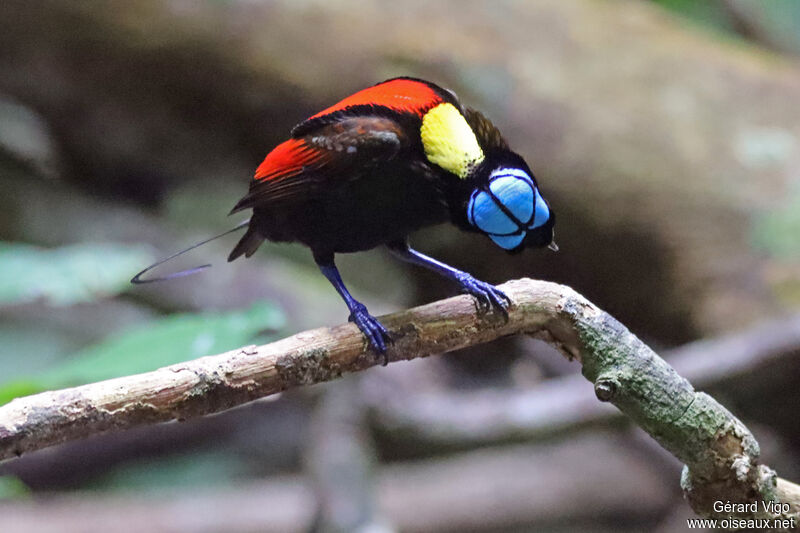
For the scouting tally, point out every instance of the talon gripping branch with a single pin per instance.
(388, 160)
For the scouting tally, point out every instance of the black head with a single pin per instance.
(506, 205)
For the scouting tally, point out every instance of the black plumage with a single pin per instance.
(359, 175)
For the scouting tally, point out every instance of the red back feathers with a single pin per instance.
(401, 94)
(287, 159)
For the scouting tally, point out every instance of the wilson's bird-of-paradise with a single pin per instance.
(382, 163)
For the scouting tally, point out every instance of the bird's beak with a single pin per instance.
(553, 246)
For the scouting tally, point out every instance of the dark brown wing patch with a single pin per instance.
(488, 135)
(343, 150)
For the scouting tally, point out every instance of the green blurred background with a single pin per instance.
(665, 134)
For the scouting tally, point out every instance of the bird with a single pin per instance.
(382, 163)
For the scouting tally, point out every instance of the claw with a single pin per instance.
(377, 335)
(486, 294)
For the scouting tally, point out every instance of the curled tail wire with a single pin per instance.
(137, 279)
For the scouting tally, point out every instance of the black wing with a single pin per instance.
(487, 134)
(346, 149)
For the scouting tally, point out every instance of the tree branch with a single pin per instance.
(563, 404)
(720, 453)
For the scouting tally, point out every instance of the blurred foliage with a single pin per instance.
(169, 340)
(43, 347)
(66, 275)
(12, 488)
(198, 469)
(776, 231)
(711, 13)
(773, 23)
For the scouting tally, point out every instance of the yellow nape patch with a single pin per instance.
(449, 141)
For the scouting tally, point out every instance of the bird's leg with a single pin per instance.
(486, 293)
(376, 334)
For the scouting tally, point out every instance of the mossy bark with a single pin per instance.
(721, 455)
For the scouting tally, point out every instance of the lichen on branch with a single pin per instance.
(720, 453)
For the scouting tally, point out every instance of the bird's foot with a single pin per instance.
(377, 335)
(487, 295)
